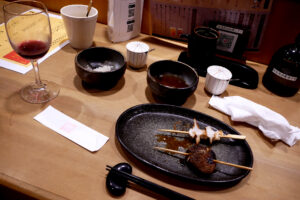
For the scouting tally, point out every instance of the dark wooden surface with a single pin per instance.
(282, 29)
(10, 194)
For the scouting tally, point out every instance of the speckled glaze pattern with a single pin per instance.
(136, 130)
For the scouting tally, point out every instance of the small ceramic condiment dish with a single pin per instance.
(100, 67)
(217, 79)
(137, 53)
(172, 81)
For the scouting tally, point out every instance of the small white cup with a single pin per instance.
(137, 53)
(217, 79)
(79, 27)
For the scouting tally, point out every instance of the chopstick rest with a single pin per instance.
(71, 129)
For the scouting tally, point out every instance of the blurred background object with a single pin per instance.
(281, 29)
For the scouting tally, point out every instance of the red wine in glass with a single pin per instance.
(32, 49)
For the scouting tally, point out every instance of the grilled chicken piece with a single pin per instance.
(202, 159)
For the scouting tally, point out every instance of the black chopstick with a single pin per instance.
(149, 185)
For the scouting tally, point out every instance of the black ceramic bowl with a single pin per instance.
(172, 81)
(100, 67)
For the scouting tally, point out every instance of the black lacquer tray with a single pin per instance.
(136, 130)
(242, 75)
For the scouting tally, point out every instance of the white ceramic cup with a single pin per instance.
(217, 79)
(80, 28)
(137, 53)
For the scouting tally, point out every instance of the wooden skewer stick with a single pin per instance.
(216, 161)
(238, 137)
(233, 165)
(89, 8)
(172, 151)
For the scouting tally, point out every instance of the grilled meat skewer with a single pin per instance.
(202, 158)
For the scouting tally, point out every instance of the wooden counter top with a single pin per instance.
(41, 163)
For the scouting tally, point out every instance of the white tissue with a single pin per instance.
(272, 124)
(71, 129)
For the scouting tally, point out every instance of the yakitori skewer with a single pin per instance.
(238, 137)
(202, 158)
(207, 133)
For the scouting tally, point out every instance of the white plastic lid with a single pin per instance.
(137, 47)
(219, 72)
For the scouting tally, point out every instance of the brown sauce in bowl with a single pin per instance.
(172, 81)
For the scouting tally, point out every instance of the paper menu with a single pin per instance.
(9, 59)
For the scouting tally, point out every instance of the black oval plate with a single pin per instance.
(136, 130)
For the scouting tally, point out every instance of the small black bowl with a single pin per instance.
(100, 67)
(172, 81)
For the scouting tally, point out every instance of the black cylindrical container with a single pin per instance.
(282, 76)
(202, 46)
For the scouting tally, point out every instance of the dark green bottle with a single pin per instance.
(282, 76)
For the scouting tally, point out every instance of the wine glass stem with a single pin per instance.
(35, 66)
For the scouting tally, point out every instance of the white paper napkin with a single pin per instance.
(71, 129)
(272, 124)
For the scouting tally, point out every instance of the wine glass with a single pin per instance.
(29, 34)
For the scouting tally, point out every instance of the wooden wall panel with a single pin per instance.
(101, 5)
(282, 28)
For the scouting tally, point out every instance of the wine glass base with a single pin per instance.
(34, 93)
